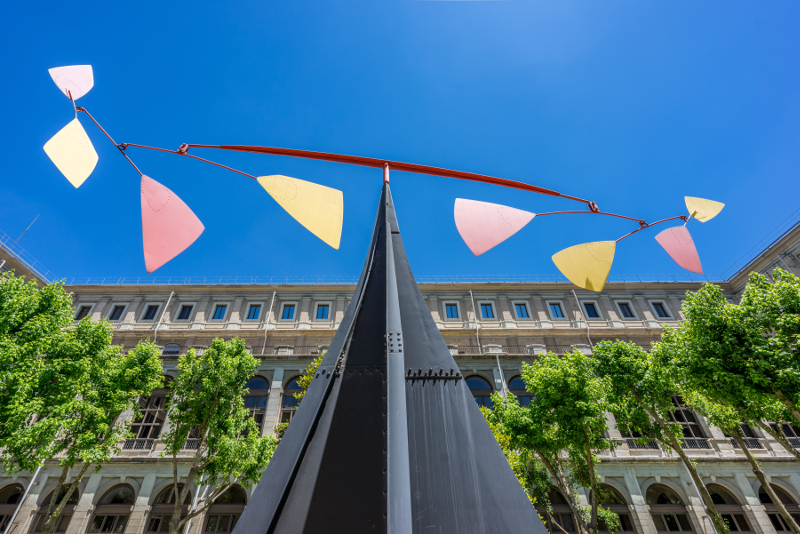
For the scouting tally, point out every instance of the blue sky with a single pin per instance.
(631, 104)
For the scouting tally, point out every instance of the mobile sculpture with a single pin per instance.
(169, 226)
(388, 438)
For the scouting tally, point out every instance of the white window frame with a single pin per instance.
(563, 310)
(124, 311)
(527, 306)
(445, 303)
(316, 309)
(81, 305)
(296, 311)
(260, 313)
(228, 310)
(596, 308)
(146, 307)
(629, 302)
(181, 304)
(480, 303)
(663, 302)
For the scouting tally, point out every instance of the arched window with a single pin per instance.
(161, 511)
(289, 402)
(561, 515)
(66, 513)
(223, 515)
(614, 501)
(772, 510)
(256, 399)
(517, 387)
(667, 509)
(481, 389)
(729, 508)
(147, 427)
(9, 499)
(113, 510)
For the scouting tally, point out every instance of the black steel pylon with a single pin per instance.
(388, 438)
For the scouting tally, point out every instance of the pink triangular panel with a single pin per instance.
(168, 225)
(679, 245)
(75, 80)
(484, 225)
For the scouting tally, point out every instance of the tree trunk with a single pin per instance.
(53, 515)
(558, 476)
(719, 523)
(592, 482)
(763, 479)
(779, 436)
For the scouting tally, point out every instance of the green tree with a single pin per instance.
(641, 387)
(720, 379)
(206, 401)
(304, 382)
(69, 390)
(564, 428)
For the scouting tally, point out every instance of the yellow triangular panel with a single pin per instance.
(587, 265)
(320, 209)
(72, 152)
(703, 210)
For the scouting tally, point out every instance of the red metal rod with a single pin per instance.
(681, 217)
(188, 155)
(640, 221)
(121, 150)
(394, 165)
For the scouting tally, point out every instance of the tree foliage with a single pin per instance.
(206, 402)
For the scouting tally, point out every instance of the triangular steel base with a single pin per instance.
(388, 438)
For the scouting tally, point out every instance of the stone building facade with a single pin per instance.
(491, 327)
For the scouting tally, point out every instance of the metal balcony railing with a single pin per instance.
(752, 443)
(191, 444)
(138, 444)
(633, 444)
(794, 442)
(696, 443)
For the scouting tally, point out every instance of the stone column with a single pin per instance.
(131, 313)
(433, 306)
(235, 320)
(644, 309)
(273, 413)
(200, 314)
(507, 319)
(610, 312)
(695, 507)
(540, 312)
(85, 507)
(304, 315)
(341, 307)
(138, 520)
(100, 308)
(27, 511)
(498, 382)
(640, 511)
(756, 514)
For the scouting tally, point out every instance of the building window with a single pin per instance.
(560, 519)
(255, 401)
(481, 389)
(660, 309)
(171, 349)
(772, 510)
(83, 312)
(112, 514)
(451, 310)
(487, 311)
(517, 387)
(9, 498)
(591, 310)
(161, 512)
(116, 314)
(322, 311)
(522, 310)
(153, 412)
(186, 312)
(555, 310)
(625, 310)
(729, 508)
(611, 499)
(223, 515)
(667, 510)
(693, 436)
(66, 513)
(791, 432)
(150, 314)
(219, 312)
(288, 312)
(290, 403)
(254, 312)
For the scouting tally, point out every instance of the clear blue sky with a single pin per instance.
(632, 104)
